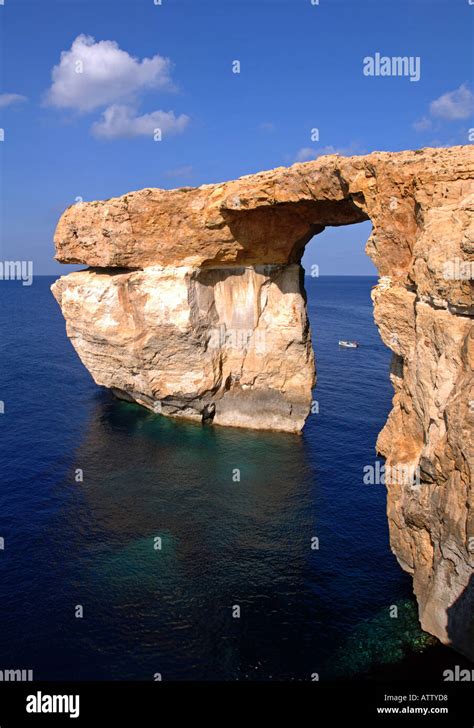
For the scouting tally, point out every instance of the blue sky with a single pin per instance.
(90, 135)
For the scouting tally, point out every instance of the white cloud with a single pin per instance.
(91, 75)
(422, 124)
(121, 121)
(10, 99)
(332, 150)
(305, 153)
(454, 105)
(353, 148)
(94, 75)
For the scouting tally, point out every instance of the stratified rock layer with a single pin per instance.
(229, 343)
(194, 306)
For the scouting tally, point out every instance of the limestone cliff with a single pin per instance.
(194, 306)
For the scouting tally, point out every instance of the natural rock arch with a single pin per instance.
(194, 298)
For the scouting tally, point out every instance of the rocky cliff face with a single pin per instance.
(194, 307)
(228, 344)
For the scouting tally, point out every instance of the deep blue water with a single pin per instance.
(223, 543)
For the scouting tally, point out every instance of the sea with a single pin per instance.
(129, 552)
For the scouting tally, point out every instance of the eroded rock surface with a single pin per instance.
(194, 306)
(229, 342)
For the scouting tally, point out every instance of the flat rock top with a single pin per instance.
(266, 217)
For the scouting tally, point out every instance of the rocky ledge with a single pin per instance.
(194, 306)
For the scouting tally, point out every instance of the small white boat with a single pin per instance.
(349, 344)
